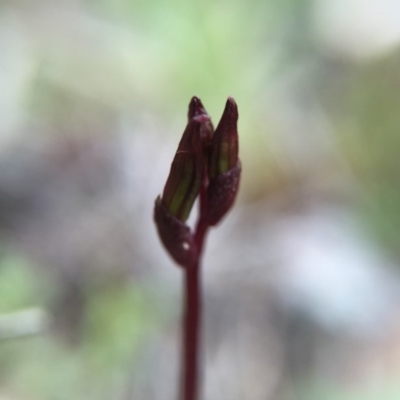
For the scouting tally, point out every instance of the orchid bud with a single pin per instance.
(183, 186)
(187, 169)
(224, 146)
(223, 165)
(206, 162)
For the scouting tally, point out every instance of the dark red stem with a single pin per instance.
(192, 310)
(191, 333)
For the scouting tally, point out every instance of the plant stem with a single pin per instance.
(193, 308)
(191, 332)
(192, 319)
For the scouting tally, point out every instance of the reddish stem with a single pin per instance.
(191, 333)
(192, 310)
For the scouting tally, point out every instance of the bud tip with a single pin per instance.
(196, 108)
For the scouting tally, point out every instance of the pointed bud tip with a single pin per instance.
(195, 100)
(196, 108)
(231, 108)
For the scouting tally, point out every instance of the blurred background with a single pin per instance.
(301, 281)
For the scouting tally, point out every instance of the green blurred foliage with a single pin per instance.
(118, 321)
(371, 140)
(20, 286)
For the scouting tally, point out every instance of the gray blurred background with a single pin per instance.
(301, 281)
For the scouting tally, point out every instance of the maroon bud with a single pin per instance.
(205, 161)
(175, 235)
(196, 109)
(222, 192)
(224, 166)
(183, 185)
(224, 145)
(187, 170)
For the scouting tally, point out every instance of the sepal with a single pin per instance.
(221, 194)
(175, 235)
(187, 170)
(224, 148)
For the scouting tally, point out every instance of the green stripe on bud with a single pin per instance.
(224, 144)
(224, 167)
(188, 167)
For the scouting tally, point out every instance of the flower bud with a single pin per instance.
(205, 161)
(187, 169)
(224, 166)
(224, 145)
(183, 185)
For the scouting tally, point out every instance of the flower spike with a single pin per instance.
(205, 163)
